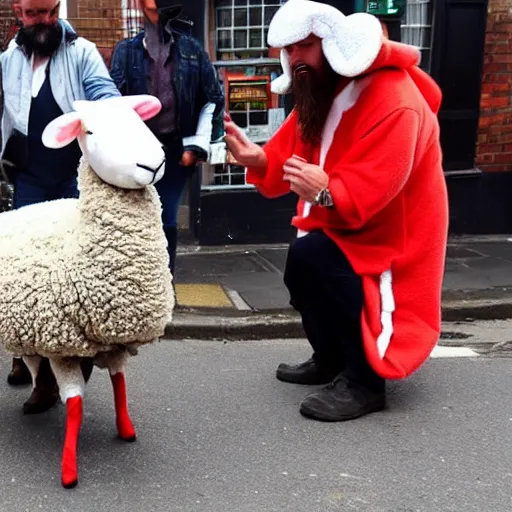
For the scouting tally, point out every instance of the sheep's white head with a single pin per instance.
(118, 145)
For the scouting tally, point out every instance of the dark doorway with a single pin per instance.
(457, 60)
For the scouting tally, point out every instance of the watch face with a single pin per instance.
(326, 198)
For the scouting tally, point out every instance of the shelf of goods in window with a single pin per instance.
(248, 92)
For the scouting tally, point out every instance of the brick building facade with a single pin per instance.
(105, 22)
(476, 79)
(100, 21)
(494, 148)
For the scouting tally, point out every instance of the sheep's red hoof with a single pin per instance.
(125, 429)
(71, 484)
(129, 439)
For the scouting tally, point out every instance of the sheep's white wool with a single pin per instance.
(350, 43)
(91, 275)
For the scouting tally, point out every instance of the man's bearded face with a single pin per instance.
(41, 39)
(41, 33)
(313, 91)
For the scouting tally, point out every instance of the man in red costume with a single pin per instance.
(361, 150)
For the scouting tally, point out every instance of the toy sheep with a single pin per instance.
(89, 277)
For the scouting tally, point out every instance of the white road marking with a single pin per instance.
(453, 352)
(237, 300)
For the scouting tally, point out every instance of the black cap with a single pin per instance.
(171, 8)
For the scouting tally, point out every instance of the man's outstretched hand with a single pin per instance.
(189, 159)
(306, 180)
(245, 152)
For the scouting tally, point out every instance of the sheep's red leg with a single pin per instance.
(123, 421)
(73, 422)
(71, 388)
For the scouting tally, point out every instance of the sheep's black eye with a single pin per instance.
(88, 132)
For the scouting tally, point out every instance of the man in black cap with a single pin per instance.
(168, 63)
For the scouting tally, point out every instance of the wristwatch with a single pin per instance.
(323, 198)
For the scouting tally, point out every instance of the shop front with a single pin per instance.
(235, 211)
(450, 35)
(232, 211)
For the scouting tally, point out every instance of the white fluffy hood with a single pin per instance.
(350, 43)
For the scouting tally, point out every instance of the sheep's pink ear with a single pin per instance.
(145, 105)
(62, 131)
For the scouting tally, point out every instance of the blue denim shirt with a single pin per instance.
(199, 95)
(77, 72)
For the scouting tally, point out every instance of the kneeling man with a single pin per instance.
(361, 150)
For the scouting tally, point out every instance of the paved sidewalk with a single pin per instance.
(240, 288)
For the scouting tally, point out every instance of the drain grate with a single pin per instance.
(453, 335)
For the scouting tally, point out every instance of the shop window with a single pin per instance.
(249, 102)
(246, 70)
(417, 28)
(242, 25)
(252, 107)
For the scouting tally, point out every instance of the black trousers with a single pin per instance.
(328, 294)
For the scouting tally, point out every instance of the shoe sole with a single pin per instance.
(311, 414)
(292, 380)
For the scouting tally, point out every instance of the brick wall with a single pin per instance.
(494, 148)
(104, 22)
(6, 20)
(100, 21)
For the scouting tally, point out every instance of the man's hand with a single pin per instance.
(245, 152)
(188, 159)
(306, 180)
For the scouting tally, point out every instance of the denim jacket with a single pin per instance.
(199, 95)
(77, 72)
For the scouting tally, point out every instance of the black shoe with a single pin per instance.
(45, 393)
(20, 374)
(341, 401)
(171, 234)
(309, 372)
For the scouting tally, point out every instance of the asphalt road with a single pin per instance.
(218, 433)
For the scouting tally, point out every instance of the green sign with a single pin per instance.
(385, 7)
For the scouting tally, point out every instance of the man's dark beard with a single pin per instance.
(41, 40)
(313, 93)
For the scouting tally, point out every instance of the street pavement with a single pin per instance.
(476, 269)
(218, 433)
(234, 292)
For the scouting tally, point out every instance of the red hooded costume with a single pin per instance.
(380, 148)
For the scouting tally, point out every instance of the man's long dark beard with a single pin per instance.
(313, 94)
(41, 40)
